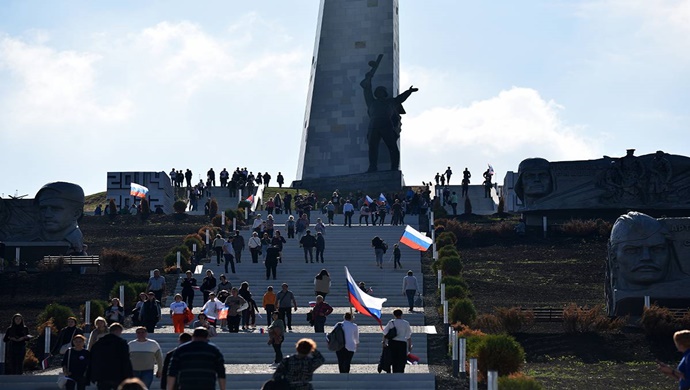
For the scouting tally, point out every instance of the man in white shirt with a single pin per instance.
(144, 353)
(401, 344)
(346, 353)
(410, 288)
(349, 211)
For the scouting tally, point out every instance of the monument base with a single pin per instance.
(369, 183)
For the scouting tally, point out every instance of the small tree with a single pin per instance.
(145, 209)
(112, 208)
(468, 206)
(180, 206)
(213, 208)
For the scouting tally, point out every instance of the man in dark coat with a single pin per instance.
(308, 242)
(110, 362)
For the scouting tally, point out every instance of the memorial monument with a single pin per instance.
(343, 128)
(46, 225)
(658, 184)
(647, 257)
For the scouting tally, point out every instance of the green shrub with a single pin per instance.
(180, 206)
(451, 265)
(439, 210)
(448, 251)
(185, 257)
(452, 280)
(57, 313)
(213, 208)
(468, 205)
(501, 205)
(212, 231)
(446, 239)
(453, 292)
(500, 352)
(112, 208)
(462, 311)
(518, 381)
(217, 221)
(118, 261)
(97, 309)
(132, 290)
(191, 239)
(145, 209)
(473, 338)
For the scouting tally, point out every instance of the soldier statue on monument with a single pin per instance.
(384, 118)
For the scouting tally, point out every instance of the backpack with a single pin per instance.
(385, 247)
(336, 339)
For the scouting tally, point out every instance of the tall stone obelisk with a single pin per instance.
(334, 147)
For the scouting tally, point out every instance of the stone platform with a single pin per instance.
(371, 183)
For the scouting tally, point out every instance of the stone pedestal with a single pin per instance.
(372, 183)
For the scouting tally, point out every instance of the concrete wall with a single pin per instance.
(158, 183)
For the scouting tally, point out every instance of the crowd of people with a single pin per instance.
(239, 178)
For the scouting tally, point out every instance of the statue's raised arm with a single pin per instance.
(384, 118)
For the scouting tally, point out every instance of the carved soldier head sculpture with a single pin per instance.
(60, 206)
(535, 179)
(641, 252)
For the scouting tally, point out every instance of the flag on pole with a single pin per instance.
(250, 199)
(415, 239)
(223, 313)
(491, 170)
(368, 200)
(258, 198)
(364, 303)
(137, 190)
(382, 198)
(45, 363)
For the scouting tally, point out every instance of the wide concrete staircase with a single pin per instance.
(247, 354)
(480, 205)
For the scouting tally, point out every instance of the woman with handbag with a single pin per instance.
(276, 335)
(254, 245)
(115, 313)
(65, 337)
(74, 364)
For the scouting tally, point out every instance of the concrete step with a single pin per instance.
(230, 344)
(325, 378)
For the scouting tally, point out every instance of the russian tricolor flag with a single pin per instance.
(415, 239)
(382, 198)
(368, 200)
(364, 303)
(137, 190)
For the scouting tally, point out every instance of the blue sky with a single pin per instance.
(89, 87)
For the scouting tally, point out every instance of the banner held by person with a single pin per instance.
(415, 239)
(364, 303)
(138, 191)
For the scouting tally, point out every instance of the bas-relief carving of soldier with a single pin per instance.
(643, 260)
(624, 181)
(60, 206)
(384, 118)
(660, 173)
(535, 180)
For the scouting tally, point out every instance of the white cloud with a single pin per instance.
(184, 54)
(55, 87)
(516, 124)
(652, 27)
